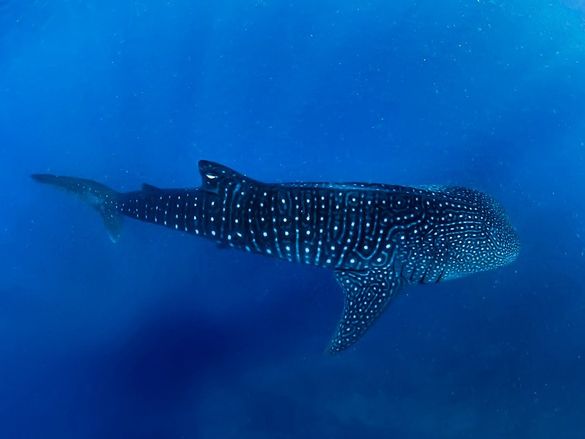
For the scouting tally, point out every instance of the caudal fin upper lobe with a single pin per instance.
(97, 195)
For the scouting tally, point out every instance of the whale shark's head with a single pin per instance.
(486, 241)
(504, 243)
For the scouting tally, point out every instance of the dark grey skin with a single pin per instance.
(376, 237)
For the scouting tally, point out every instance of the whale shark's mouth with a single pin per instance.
(509, 244)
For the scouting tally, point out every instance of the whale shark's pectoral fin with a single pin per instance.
(367, 293)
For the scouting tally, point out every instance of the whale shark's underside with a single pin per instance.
(377, 238)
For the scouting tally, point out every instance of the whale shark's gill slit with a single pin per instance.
(440, 278)
(423, 279)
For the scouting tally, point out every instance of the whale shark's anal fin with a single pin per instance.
(367, 293)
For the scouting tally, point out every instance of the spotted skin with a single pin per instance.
(376, 237)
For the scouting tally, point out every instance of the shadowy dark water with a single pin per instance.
(166, 336)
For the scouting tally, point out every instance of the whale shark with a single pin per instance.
(376, 238)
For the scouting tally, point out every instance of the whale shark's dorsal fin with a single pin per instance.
(149, 188)
(367, 293)
(216, 176)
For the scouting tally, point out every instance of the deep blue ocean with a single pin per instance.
(164, 335)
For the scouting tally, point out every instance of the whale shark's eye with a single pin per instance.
(211, 176)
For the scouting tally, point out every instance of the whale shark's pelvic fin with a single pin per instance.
(97, 195)
(367, 293)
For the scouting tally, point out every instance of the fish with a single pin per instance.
(377, 238)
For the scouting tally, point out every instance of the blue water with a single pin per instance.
(166, 336)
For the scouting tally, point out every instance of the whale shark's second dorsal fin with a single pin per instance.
(215, 176)
(149, 188)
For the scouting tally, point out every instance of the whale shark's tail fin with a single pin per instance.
(97, 195)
